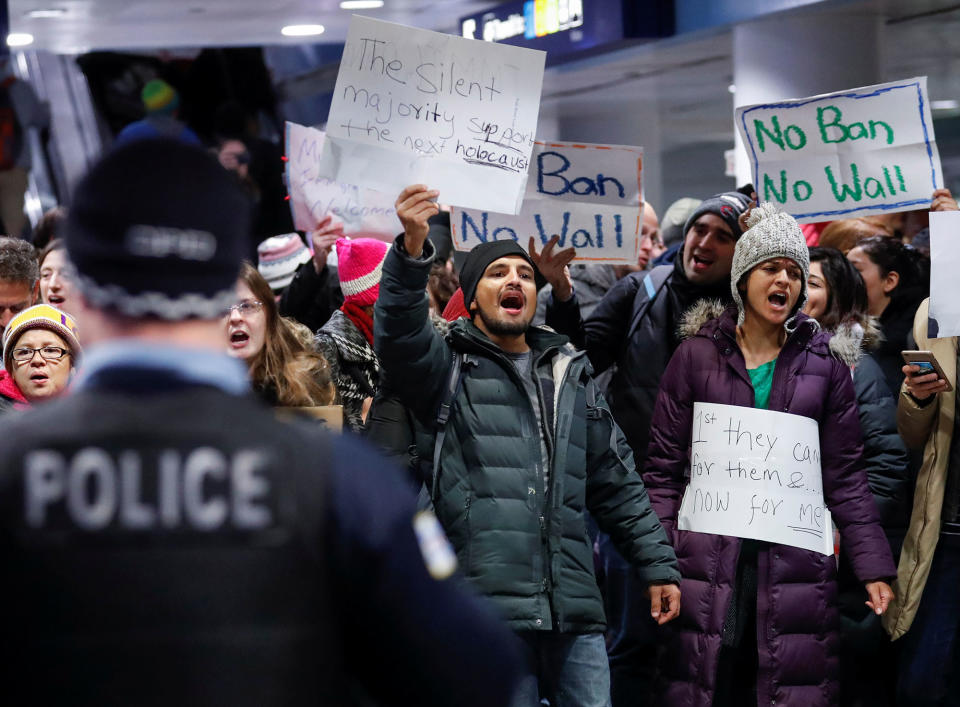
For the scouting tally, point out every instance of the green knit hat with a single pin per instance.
(159, 97)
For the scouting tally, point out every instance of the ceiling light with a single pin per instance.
(46, 14)
(19, 39)
(301, 30)
(360, 4)
(945, 105)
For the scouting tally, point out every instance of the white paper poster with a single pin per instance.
(418, 107)
(591, 196)
(756, 474)
(944, 266)
(852, 153)
(364, 213)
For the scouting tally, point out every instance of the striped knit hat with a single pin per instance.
(360, 264)
(159, 97)
(279, 257)
(41, 316)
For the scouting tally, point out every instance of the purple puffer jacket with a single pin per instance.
(797, 619)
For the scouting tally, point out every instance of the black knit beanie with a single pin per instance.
(158, 229)
(480, 258)
(729, 206)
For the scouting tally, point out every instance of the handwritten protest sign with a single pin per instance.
(853, 153)
(363, 212)
(756, 474)
(944, 266)
(589, 195)
(418, 107)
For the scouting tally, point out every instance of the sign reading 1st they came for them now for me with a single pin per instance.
(853, 153)
(756, 474)
(418, 107)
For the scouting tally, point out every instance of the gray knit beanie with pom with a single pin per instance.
(770, 233)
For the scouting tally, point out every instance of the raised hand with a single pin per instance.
(415, 205)
(553, 266)
(323, 238)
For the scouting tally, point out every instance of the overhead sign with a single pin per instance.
(591, 196)
(852, 153)
(756, 474)
(569, 29)
(419, 107)
(362, 212)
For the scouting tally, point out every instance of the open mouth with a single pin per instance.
(39, 378)
(778, 300)
(55, 299)
(512, 302)
(701, 263)
(239, 339)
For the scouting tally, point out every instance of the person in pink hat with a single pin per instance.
(346, 340)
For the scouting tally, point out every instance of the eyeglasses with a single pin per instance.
(48, 353)
(246, 308)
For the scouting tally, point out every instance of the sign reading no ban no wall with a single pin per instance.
(852, 153)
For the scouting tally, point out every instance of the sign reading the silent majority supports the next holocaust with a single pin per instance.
(852, 153)
(418, 107)
(590, 196)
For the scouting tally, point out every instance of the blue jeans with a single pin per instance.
(568, 669)
(929, 659)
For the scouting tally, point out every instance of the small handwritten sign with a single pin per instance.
(864, 151)
(364, 213)
(418, 107)
(756, 474)
(591, 196)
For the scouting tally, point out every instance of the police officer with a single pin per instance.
(165, 540)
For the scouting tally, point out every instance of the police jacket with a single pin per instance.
(521, 543)
(166, 542)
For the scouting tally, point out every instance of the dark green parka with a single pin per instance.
(522, 545)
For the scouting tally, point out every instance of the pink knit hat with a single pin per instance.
(360, 263)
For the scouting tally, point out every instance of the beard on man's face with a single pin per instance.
(501, 328)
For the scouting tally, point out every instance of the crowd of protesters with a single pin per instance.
(541, 408)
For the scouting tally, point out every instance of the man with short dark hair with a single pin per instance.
(19, 278)
(166, 540)
(522, 446)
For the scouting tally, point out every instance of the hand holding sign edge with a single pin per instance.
(415, 205)
(553, 266)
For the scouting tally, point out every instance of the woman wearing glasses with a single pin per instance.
(284, 369)
(40, 352)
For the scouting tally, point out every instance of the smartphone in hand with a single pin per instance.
(927, 363)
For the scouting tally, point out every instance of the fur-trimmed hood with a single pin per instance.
(847, 343)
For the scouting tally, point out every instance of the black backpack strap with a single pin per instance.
(443, 416)
(653, 282)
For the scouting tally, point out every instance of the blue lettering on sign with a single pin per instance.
(481, 232)
(580, 237)
(560, 185)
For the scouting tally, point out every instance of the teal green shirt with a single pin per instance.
(762, 379)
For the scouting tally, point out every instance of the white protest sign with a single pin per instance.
(852, 153)
(944, 266)
(364, 213)
(756, 474)
(418, 107)
(591, 196)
